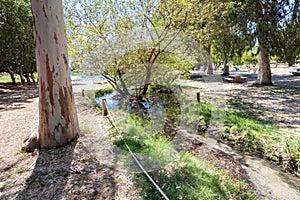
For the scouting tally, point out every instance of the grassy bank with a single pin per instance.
(185, 176)
(256, 136)
(193, 178)
(181, 175)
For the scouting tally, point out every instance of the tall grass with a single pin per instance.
(254, 135)
(181, 175)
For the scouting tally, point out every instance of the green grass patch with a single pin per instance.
(248, 133)
(196, 112)
(181, 175)
(260, 137)
(7, 79)
(193, 178)
(92, 101)
(153, 147)
(103, 91)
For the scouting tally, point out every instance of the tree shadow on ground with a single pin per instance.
(15, 96)
(278, 104)
(68, 173)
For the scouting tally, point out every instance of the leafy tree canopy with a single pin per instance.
(16, 37)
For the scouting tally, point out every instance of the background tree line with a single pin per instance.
(17, 55)
(227, 30)
(116, 37)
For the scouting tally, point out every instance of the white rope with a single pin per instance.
(110, 118)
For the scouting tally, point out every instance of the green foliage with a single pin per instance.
(250, 57)
(179, 63)
(130, 39)
(288, 42)
(193, 178)
(184, 176)
(292, 152)
(257, 136)
(251, 135)
(103, 91)
(16, 37)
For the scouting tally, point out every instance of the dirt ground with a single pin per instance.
(83, 171)
(72, 172)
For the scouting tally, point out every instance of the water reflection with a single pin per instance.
(161, 108)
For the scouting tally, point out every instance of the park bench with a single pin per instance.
(235, 79)
(295, 71)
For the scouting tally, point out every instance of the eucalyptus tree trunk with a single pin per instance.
(264, 70)
(264, 76)
(58, 124)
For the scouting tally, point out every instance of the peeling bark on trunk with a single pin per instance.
(264, 70)
(58, 124)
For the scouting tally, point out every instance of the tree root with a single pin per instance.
(30, 143)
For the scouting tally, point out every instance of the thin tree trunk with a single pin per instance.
(12, 76)
(147, 80)
(27, 77)
(123, 84)
(210, 69)
(21, 75)
(225, 67)
(32, 77)
(58, 124)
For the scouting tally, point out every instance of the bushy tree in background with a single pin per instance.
(129, 39)
(16, 40)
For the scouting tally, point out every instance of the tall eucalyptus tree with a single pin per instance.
(58, 124)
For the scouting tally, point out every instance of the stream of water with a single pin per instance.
(267, 178)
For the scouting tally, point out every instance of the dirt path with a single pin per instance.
(267, 178)
(278, 105)
(18, 117)
(87, 167)
(72, 172)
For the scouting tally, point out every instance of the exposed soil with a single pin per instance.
(84, 169)
(278, 105)
(72, 172)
